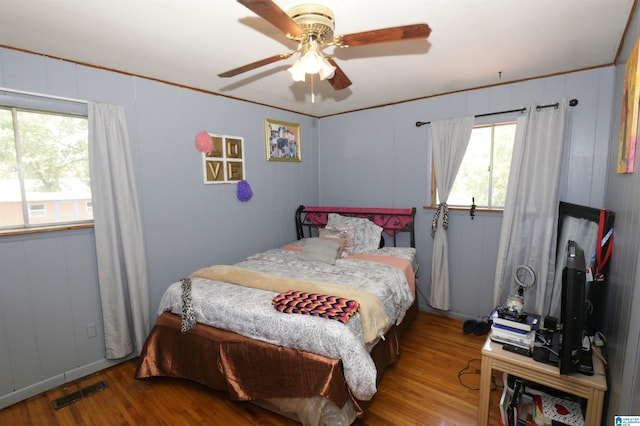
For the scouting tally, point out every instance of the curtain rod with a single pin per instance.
(40, 95)
(572, 102)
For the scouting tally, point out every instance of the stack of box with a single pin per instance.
(517, 331)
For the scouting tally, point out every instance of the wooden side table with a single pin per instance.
(592, 388)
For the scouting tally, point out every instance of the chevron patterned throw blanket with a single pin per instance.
(319, 305)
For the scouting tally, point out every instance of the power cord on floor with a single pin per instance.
(471, 369)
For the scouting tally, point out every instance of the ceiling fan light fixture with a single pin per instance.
(327, 70)
(312, 27)
(297, 71)
(311, 58)
(311, 62)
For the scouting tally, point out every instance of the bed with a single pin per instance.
(218, 327)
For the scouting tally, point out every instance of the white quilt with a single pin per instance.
(249, 311)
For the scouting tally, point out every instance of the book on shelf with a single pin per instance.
(530, 404)
(512, 409)
(500, 331)
(525, 340)
(510, 329)
(557, 410)
(525, 414)
(528, 323)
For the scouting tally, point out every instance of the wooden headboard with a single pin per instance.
(393, 221)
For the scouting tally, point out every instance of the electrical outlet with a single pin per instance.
(91, 330)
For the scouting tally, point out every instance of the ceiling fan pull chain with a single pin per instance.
(313, 94)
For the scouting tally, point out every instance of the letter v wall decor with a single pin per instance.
(223, 159)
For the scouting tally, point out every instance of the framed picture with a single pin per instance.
(629, 119)
(283, 140)
(225, 162)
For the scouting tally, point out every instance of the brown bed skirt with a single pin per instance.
(249, 369)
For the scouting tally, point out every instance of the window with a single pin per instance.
(484, 171)
(37, 210)
(44, 168)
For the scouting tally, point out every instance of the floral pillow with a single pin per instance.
(367, 234)
(344, 233)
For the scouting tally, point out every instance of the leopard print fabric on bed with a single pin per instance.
(188, 316)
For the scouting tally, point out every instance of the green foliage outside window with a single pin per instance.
(44, 160)
(484, 172)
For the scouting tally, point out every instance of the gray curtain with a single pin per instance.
(122, 266)
(449, 140)
(529, 222)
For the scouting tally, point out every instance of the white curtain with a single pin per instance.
(122, 266)
(449, 139)
(529, 223)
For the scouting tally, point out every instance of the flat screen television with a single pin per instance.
(587, 226)
(572, 308)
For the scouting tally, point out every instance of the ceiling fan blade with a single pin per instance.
(256, 64)
(272, 13)
(339, 80)
(404, 32)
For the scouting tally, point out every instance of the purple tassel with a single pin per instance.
(244, 191)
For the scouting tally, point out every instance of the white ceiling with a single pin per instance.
(474, 43)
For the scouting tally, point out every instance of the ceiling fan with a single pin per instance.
(311, 26)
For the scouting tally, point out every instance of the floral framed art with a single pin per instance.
(282, 140)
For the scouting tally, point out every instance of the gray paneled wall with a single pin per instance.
(49, 306)
(48, 289)
(623, 295)
(48, 283)
(379, 157)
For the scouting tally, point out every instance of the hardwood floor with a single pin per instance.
(434, 383)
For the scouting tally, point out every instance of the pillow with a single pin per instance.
(342, 241)
(367, 234)
(343, 233)
(322, 250)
